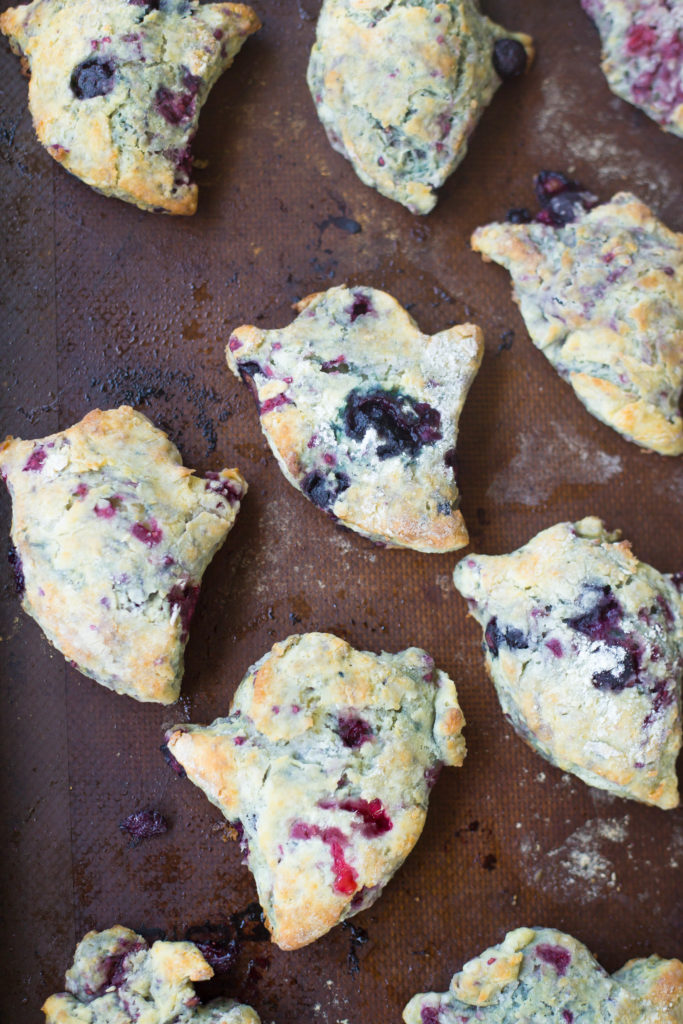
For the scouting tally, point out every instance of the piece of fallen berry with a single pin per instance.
(144, 824)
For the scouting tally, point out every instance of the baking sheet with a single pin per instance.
(103, 304)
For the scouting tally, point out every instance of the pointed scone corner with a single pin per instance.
(642, 55)
(111, 536)
(361, 411)
(117, 977)
(602, 298)
(544, 975)
(584, 644)
(326, 762)
(400, 87)
(117, 86)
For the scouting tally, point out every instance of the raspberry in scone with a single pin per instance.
(642, 54)
(602, 297)
(548, 977)
(361, 411)
(111, 536)
(326, 760)
(400, 85)
(116, 978)
(584, 644)
(117, 86)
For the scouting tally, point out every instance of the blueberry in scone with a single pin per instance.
(326, 761)
(584, 644)
(399, 85)
(111, 535)
(116, 978)
(117, 86)
(361, 411)
(548, 977)
(602, 297)
(642, 55)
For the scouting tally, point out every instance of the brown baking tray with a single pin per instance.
(103, 304)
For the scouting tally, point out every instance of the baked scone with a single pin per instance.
(116, 978)
(602, 297)
(111, 537)
(585, 646)
(642, 55)
(542, 975)
(117, 86)
(361, 411)
(326, 761)
(399, 85)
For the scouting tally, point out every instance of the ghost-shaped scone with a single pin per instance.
(548, 977)
(111, 536)
(584, 644)
(116, 978)
(602, 297)
(400, 86)
(642, 55)
(117, 87)
(326, 761)
(361, 411)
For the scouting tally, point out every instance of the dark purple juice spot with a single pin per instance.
(183, 161)
(519, 215)
(144, 824)
(615, 679)
(603, 620)
(150, 533)
(178, 107)
(220, 485)
(509, 58)
(403, 426)
(556, 956)
(430, 1015)
(489, 861)
(81, 491)
(431, 775)
(568, 1016)
(353, 731)
(338, 365)
(494, 637)
(35, 460)
(274, 403)
(171, 761)
(374, 819)
(359, 937)
(347, 224)
(151, 5)
(93, 77)
(184, 597)
(323, 489)
(360, 306)
(14, 560)
(451, 460)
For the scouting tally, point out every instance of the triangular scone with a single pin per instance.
(116, 978)
(642, 55)
(548, 977)
(585, 646)
(326, 760)
(112, 535)
(602, 297)
(117, 86)
(400, 86)
(361, 411)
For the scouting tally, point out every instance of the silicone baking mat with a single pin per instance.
(104, 304)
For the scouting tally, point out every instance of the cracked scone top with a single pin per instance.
(548, 977)
(117, 86)
(642, 54)
(116, 978)
(399, 86)
(361, 411)
(602, 298)
(585, 646)
(111, 537)
(326, 760)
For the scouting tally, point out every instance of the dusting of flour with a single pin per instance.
(544, 461)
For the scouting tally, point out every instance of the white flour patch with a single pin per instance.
(544, 461)
(581, 866)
